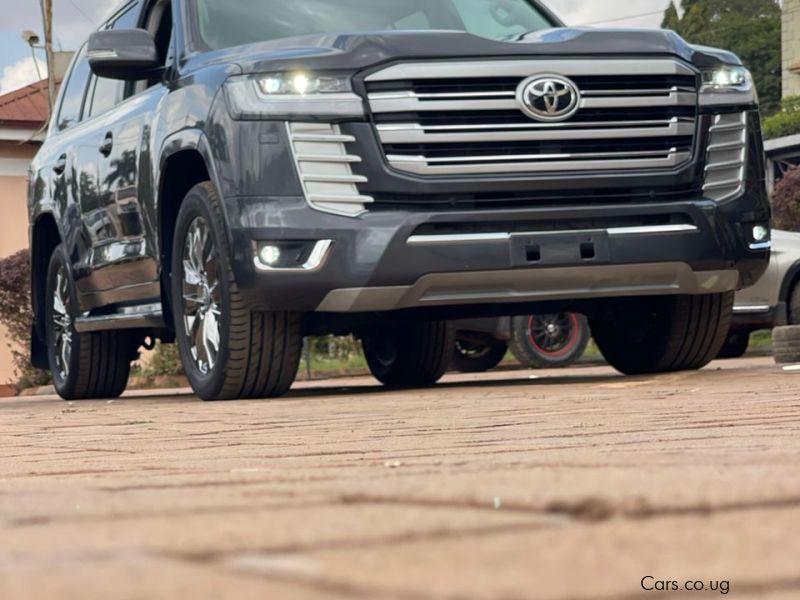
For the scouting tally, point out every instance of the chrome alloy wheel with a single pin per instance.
(201, 296)
(62, 323)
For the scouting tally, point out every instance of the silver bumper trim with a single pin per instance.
(532, 285)
(742, 310)
(496, 237)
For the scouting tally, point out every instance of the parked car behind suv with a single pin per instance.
(233, 175)
(774, 301)
(541, 341)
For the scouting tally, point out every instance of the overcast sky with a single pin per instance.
(74, 19)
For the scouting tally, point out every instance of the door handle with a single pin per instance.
(108, 145)
(61, 165)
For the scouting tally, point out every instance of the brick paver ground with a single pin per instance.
(553, 485)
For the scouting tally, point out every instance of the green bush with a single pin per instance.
(16, 317)
(786, 122)
(165, 361)
(786, 202)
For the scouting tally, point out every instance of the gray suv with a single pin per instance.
(233, 175)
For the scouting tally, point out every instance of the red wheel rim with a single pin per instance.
(554, 336)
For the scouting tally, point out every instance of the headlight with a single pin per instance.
(303, 84)
(292, 95)
(728, 84)
(737, 79)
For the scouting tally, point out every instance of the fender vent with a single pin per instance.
(323, 165)
(726, 157)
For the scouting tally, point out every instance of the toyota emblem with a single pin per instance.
(548, 98)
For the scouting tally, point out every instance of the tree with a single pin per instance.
(15, 315)
(749, 28)
(671, 18)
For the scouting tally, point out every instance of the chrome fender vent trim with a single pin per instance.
(324, 168)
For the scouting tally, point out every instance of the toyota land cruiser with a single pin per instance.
(232, 175)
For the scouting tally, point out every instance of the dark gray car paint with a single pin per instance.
(251, 165)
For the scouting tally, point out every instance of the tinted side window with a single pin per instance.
(107, 93)
(74, 92)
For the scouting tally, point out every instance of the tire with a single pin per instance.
(664, 334)
(234, 352)
(794, 305)
(735, 346)
(410, 354)
(549, 341)
(471, 357)
(85, 366)
(786, 344)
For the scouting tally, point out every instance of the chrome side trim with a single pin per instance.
(317, 258)
(483, 238)
(145, 319)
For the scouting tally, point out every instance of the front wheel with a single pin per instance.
(663, 334)
(410, 354)
(227, 351)
(549, 341)
(88, 365)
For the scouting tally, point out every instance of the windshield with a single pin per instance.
(225, 23)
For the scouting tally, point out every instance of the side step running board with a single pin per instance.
(141, 319)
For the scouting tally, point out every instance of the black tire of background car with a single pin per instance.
(410, 354)
(666, 334)
(474, 358)
(259, 352)
(735, 346)
(100, 362)
(529, 353)
(786, 344)
(794, 305)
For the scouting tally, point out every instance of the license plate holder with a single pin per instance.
(557, 248)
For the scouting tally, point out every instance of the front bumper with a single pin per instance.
(392, 260)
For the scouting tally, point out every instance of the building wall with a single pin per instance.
(791, 48)
(14, 160)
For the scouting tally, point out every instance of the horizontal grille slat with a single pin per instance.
(465, 117)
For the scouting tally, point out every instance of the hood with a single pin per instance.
(355, 51)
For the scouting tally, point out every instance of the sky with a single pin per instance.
(75, 19)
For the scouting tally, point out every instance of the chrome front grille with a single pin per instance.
(465, 117)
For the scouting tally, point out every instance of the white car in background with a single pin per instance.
(773, 301)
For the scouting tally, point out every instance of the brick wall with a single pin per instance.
(791, 47)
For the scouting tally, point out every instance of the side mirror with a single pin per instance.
(127, 54)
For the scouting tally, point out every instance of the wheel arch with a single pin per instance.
(790, 280)
(45, 238)
(185, 162)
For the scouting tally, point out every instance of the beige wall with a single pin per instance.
(791, 48)
(13, 221)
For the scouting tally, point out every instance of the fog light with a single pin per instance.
(270, 255)
(760, 233)
(291, 255)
